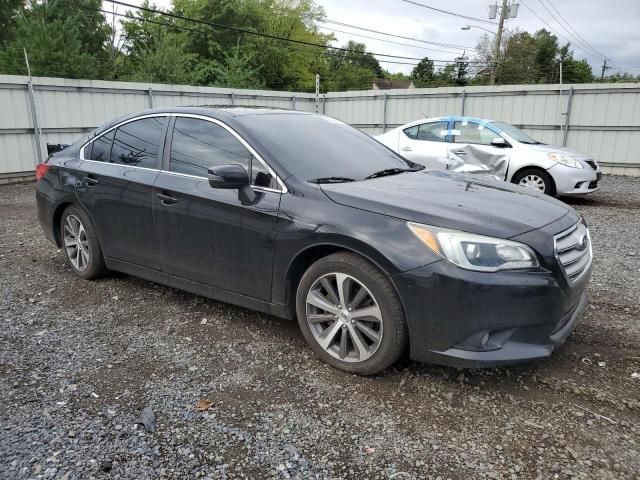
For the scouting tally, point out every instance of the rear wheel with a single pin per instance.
(80, 243)
(350, 314)
(536, 179)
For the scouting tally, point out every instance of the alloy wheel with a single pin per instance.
(533, 181)
(344, 317)
(76, 243)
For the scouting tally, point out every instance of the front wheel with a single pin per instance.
(350, 314)
(536, 179)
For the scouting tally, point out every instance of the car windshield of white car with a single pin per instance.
(515, 133)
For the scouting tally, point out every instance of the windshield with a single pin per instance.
(515, 133)
(319, 148)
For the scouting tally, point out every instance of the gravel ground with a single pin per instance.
(80, 360)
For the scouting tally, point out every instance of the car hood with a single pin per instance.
(553, 148)
(457, 201)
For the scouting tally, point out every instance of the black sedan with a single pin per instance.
(300, 215)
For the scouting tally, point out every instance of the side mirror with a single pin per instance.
(228, 176)
(499, 142)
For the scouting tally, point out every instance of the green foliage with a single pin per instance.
(536, 58)
(423, 73)
(71, 38)
(55, 43)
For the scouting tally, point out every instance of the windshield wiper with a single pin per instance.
(393, 171)
(331, 180)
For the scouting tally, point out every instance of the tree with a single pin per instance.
(236, 70)
(422, 73)
(9, 10)
(55, 45)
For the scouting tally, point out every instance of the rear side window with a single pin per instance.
(430, 132)
(198, 145)
(137, 143)
(100, 149)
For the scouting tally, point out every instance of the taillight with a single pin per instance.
(41, 169)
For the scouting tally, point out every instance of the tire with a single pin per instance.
(536, 179)
(77, 230)
(349, 336)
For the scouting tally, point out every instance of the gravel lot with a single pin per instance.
(79, 361)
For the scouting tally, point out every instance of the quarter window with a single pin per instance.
(473, 133)
(136, 143)
(430, 132)
(100, 149)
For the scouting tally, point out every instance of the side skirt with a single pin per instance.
(208, 291)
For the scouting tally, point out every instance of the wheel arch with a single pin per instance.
(312, 253)
(534, 167)
(57, 217)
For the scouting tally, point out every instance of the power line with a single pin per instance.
(386, 41)
(448, 12)
(446, 45)
(325, 47)
(249, 32)
(577, 40)
(588, 52)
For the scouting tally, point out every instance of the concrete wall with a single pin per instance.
(603, 120)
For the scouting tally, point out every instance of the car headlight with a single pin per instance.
(565, 160)
(475, 252)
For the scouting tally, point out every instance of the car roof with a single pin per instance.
(452, 118)
(219, 112)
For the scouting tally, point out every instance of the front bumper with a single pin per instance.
(476, 319)
(575, 181)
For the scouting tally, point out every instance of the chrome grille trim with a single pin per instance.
(573, 251)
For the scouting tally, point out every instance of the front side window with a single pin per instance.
(470, 132)
(136, 143)
(198, 145)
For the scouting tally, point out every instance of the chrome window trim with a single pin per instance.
(244, 143)
(196, 116)
(124, 122)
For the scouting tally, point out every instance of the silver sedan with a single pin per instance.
(496, 149)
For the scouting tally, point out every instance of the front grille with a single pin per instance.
(592, 164)
(593, 184)
(573, 251)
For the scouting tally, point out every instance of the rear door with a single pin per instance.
(117, 173)
(472, 152)
(217, 237)
(425, 144)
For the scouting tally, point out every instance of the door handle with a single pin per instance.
(460, 152)
(167, 199)
(91, 181)
(406, 149)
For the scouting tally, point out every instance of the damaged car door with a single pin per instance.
(477, 149)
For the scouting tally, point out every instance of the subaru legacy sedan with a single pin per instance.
(302, 216)
(494, 149)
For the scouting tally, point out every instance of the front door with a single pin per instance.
(116, 188)
(472, 151)
(217, 237)
(425, 144)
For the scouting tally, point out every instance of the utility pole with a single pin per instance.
(317, 93)
(604, 69)
(496, 54)
(34, 113)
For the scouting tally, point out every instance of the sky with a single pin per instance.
(611, 28)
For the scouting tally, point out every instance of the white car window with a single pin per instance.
(473, 133)
(431, 132)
